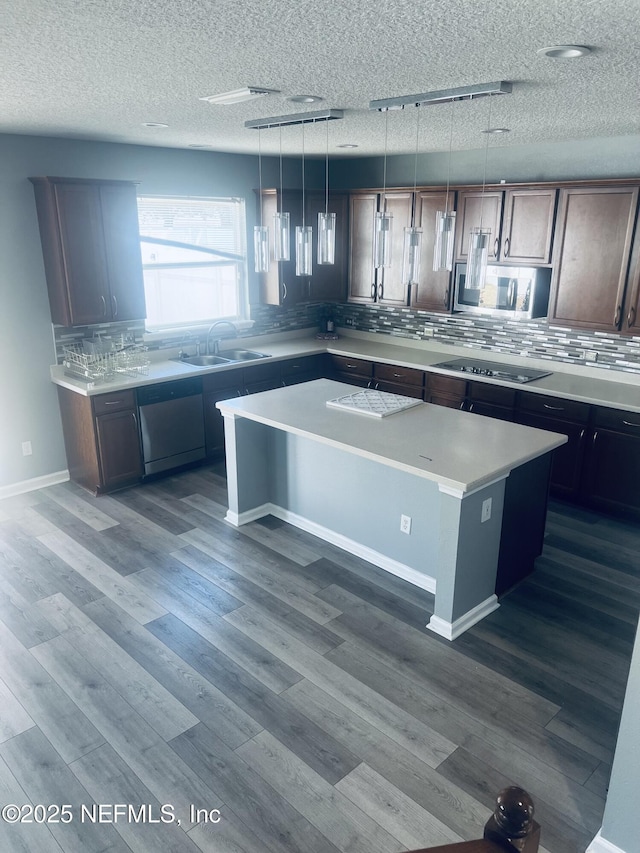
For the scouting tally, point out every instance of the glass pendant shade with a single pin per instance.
(281, 237)
(411, 255)
(382, 240)
(304, 249)
(326, 238)
(261, 247)
(477, 260)
(443, 246)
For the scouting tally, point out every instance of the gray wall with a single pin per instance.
(621, 823)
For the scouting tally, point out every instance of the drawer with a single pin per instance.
(554, 407)
(115, 402)
(437, 382)
(398, 375)
(221, 379)
(310, 364)
(269, 372)
(357, 366)
(395, 388)
(615, 419)
(498, 395)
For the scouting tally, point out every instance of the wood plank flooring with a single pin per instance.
(153, 656)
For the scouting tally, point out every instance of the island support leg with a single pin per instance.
(468, 559)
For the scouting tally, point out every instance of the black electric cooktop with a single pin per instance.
(493, 369)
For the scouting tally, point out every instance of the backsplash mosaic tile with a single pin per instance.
(533, 338)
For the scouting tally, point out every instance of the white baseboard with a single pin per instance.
(394, 567)
(451, 630)
(601, 845)
(33, 484)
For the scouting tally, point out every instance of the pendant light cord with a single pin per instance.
(384, 167)
(326, 174)
(260, 172)
(486, 152)
(281, 199)
(415, 164)
(446, 200)
(303, 174)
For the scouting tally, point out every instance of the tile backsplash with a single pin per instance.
(533, 338)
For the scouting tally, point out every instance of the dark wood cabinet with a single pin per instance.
(592, 257)
(280, 285)
(102, 439)
(304, 369)
(366, 283)
(476, 208)
(398, 380)
(216, 387)
(91, 248)
(355, 371)
(433, 290)
(445, 390)
(328, 283)
(494, 401)
(611, 478)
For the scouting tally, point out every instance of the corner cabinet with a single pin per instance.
(91, 248)
(366, 283)
(592, 258)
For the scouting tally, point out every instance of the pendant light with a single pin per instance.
(412, 236)
(479, 237)
(261, 232)
(304, 235)
(281, 227)
(383, 220)
(445, 220)
(326, 220)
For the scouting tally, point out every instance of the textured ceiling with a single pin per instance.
(99, 69)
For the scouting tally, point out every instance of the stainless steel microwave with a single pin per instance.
(508, 291)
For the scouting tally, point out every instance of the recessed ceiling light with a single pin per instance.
(347, 145)
(154, 124)
(497, 130)
(305, 99)
(237, 96)
(564, 51)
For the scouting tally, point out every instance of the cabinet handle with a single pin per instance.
(104, 305)
(446, 298)
(616, 318)
(506, 248)
(373, 291)
(380, 290)
(496, 247)
(628, 423)
(398, 375)
(553, 408)
(115, 306)
(135, 418)
(631, 319)
(284, 291)
(351, 366)
(112, 403)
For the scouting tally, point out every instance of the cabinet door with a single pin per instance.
(612, 474)
(83, 253)
(591, 256)
(566, 467)
(280, 285)
(214, 421)
(362, 274)
(329, 281)
(475, 208)
(122, 251)
(118, 449)
(432, 293)
(391, 290)
(527, 229)
(631, 320)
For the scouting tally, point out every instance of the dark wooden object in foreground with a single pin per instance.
(510, 829)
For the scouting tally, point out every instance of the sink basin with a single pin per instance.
(243, 354)
(203, 360)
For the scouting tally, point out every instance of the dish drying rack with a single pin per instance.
(102, 361)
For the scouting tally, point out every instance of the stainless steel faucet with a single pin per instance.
(216, 344)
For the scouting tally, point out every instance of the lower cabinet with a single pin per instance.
(102, 439)
(355, 371)
(494, 401)
(611, 478)
(445, 390)
(216, 387)
(398, 380)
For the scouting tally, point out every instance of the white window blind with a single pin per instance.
(194, 259)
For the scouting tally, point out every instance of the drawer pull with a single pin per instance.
(115, 306)
(373, 291)
(616, 318)
(104, 306)
(628, 423)
(380, 290)
(631, 319)
(112, 403)
(398, 375)
(507, 243)
(553, 408)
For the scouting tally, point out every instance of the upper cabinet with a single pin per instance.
(591, 261)
(366, 283)
(521, 222)
(432, 292)
(280, 285)
(91, 248)
(328, 282)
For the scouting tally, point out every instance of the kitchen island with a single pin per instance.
(474, 489)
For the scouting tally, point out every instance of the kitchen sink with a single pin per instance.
(203, 360)
(243, 354)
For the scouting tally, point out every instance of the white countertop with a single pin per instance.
(458, 450)
(614, 389)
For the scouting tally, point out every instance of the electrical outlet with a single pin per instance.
(405, 524)
(486, 510)
(590, 355)
(26, 448)
(348, 321)
(428, 331)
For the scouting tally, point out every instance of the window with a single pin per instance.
(194, 260)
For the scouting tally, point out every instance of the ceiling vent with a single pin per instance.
(238, 96)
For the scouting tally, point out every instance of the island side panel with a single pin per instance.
(361, 500)
(249, 473)
(467, 559)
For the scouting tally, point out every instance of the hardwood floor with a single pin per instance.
(152, 655)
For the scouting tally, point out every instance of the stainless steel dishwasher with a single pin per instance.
(171, 424)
